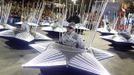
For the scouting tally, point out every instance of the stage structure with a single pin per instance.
(60, 59)
(120, 41)
(55, 27)
(123, 40)
(5, 11)
(57, 55)
(28, 31)
(110, 19)
(107, 30)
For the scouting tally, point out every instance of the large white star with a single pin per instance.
(57, 55)
(24, 36)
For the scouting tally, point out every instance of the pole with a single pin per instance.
(93, 37)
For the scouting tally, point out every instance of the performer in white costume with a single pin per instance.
(71, 38)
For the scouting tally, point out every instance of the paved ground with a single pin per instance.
(11, 59)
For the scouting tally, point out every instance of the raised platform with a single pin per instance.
(22, 39)
(119, 44)
(64, 60)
